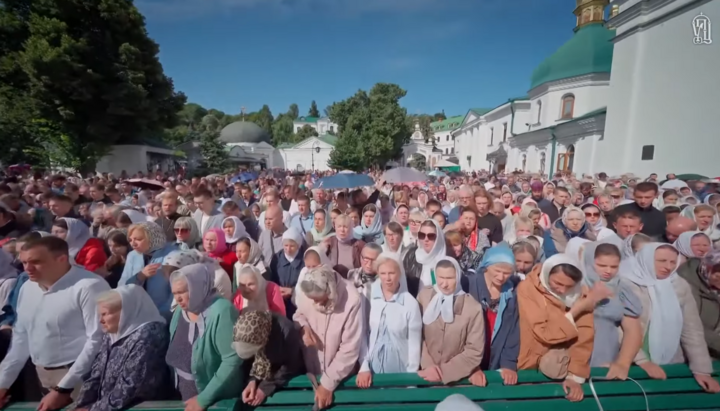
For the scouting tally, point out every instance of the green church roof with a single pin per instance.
(588, 51)
(448, 124)
(307, 119)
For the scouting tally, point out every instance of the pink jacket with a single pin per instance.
(275, 301)
(339, 333)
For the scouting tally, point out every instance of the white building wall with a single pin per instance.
(664, 92)
(131, 158)
(444, 141)
(590, 92)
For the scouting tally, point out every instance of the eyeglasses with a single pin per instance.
(182, 230)
(367, 259)
(416, 222)
(430, 236)
(592, 214)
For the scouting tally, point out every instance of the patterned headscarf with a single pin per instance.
(153, 232)
(250, 335)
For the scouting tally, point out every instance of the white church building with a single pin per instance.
(627, 94)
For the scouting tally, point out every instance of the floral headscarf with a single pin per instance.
(250, 336)
(155, 234)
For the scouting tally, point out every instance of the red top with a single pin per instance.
(92, 255)
(227, 260)
(490, 317)
(272, 294)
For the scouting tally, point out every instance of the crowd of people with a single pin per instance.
(206, 289)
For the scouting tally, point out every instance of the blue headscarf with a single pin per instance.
(372, 233)
(500, 254)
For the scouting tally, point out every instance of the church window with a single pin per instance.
(648, 153)
(568, 106)
(452, 150)
(539, 111)
(504, 132)
(492, 135)
(447, 138)
(332, 129)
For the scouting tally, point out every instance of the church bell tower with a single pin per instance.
(590, 12)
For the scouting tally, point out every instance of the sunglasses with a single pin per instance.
(430, 236)
(592, 214)
(182, 230)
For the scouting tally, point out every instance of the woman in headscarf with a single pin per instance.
(144, 261)
(420, 260)
(395, 325)
(526, 256)
(572, 224)
(313, 257)
(596, 220)
(343, 248)
(331, 308)
(234, 230)
(556, 322)
(286, 266)
(528, 205)
(179, 259)
(126, 218)
(492, 286)
(269, 344)
(248, 254)
(187, 234)
(703, 275)
(601, 263)
(207, 368)
(693, 244)
(255, 292)
(467, 258)
(85, 251)
(216, 248)
(322, 227)
(119, 246)
(475, 239)
(452, 327)
(393, 244)
(707, 220)
(130, 365)
(8, 276)
(370, 229)
(575, 247)
(672, 328)
(416, 217)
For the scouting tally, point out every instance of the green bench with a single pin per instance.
(534, 392)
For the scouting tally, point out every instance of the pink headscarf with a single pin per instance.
(221, 244)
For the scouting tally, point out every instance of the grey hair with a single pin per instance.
(373, 247)
(177, 276)
(344, 218)
(110, 299)
(319, 281)
(385, 259)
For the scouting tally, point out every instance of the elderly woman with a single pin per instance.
(453, 327)
(420, 260)
(601, 263)
(216, 248)
(703, 276)
(416, 217)
(670, 320)
(180, 259)
(395, 325)
(130, 366)
(706, 218)
(86, 251)
(187, 234)
(330, 316)
(144, 261)
(556, 322)
(206, 366)
(322, 227)
(572, 224)
(693, 244)
(343, 248)
(286, 266)
(493, 288)
(255, 292)
(270, 345)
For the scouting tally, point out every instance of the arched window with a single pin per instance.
(504, 132)
(524, 162)
(568, 106)
(542, 163)
(492, 135)
(539, 111)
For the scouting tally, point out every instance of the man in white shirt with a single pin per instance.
(272, 198)
(57, 324)
(207, 215)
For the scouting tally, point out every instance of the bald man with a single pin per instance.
(465, 197)
(270, 240)
(678, 226)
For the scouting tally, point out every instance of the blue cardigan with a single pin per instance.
(157, 286)
(505, 345)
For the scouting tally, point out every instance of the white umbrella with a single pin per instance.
(404, 175)
(673, 185)
(346, 172)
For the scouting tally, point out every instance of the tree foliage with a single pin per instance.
(418, 162)
(86, 70)
(372, 126)
(313, 112)
(215, 158)
(305, 132)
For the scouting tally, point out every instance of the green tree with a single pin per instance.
(373, 125)
(427, 130)
(95, 89)
(215, 157)
(313, 112)
(440, 116)
(294, 111)
(418, 162)
(264, 119)
(305, 132)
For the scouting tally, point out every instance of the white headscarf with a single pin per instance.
(293, 234)
(430, 260)
(574, 246)
(576, 292)
(77, 235)
(135, 216)
(441, 304)
(324, 260)
(666, 318)
(260, 302)
(136, 311)
(685, 239)
(240, 231)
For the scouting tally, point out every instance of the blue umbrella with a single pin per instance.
(344, 181)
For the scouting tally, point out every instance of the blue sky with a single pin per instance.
(448, 54)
